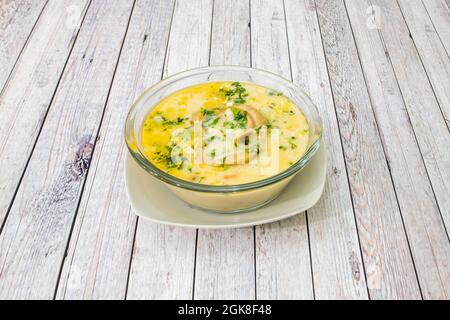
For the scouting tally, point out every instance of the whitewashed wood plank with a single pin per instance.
(434, 56)
(33, 242)
(162, 265)
(439, 13)
(337, 267)
(231, 33)
(282, 260)
(225, 265)
(97, 263)
(17, 19)
(268, 37)
(426, 233)
(225, 258)
(190, 43)
(426, 117)
(388, 263)
(25, 101)
(283, 268)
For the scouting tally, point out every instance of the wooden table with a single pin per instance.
(379, 73)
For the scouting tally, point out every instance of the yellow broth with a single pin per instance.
(221, 106)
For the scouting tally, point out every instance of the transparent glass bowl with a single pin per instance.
(230, 198)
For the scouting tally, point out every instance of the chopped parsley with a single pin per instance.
(292, 144)
(291, 112)
(240, 117)
(170, 160)
(209, 118)
(275, 93)
(237, 93)
(223, 163)
(165, 122)
(210, 122)
(207, 112)
(165, 157)
(271, 126)
(229, 125)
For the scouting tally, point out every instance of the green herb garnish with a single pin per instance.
(207, 112)
(275, 93)
(210, 122)
(237, 93)
(229, 125)
(209, 118)
(165, 157)
(240, 117)
(176, 122)
(292, 144)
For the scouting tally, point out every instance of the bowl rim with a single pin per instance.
(193, 186)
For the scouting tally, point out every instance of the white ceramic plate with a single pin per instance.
(151, 200)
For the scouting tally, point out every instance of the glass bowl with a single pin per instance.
(228, 198)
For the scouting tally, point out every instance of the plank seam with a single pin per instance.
(211, 34)
(93, 148)
(131, 255)
(423, 66)
(306, 212)
(434, 27)
(196, 231)
(43, 121)
(380, 34)
(343, 153)
(12, 71)
(254, 227)
(254, 262)
(310, 256)
(383, 147)
(195, 264)
(137, 218)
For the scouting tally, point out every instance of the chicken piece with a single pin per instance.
(254, 120)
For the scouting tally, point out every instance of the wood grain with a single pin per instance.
(439, 13)
(431, 50)
(381, 228)
(283, 267)
(389, 267)
(225, 258)
(337, 267)
(33, 243)
(163, 258)
(426, 233)
(97, 263)
(17, 20)
(430, 128)
(26, 99)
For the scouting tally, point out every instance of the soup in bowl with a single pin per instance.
(225, 139)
